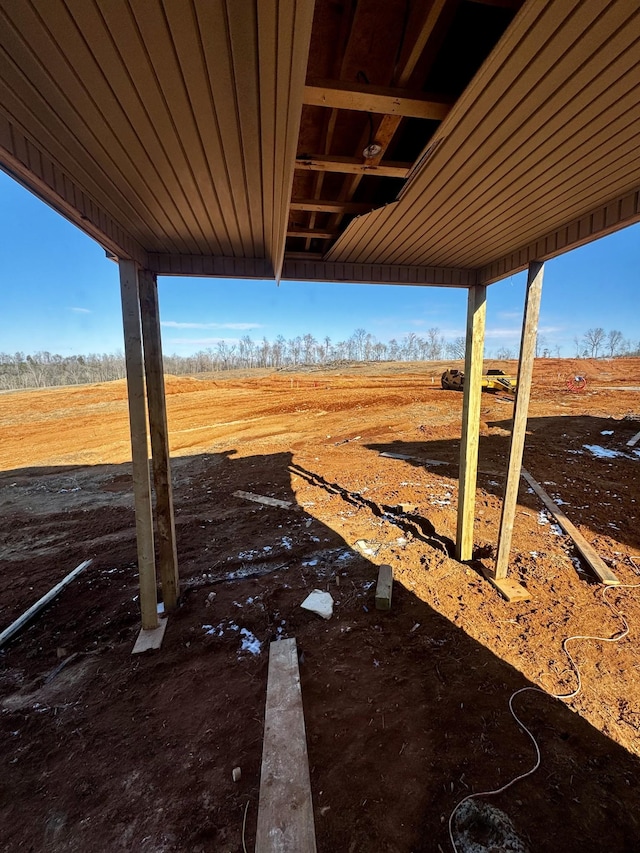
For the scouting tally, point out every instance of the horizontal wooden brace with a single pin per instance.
(209, 265)
(312, 232)
(295, 269)
(330, 206)
(352, 166)
(375, 99)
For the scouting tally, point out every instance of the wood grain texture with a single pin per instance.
(472, 393)
(136, 398)
(586, 551)
(520, 414)
(285, 811)
(157, 407)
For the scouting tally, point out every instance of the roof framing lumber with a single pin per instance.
(312, 233)
(429, 30)
(603, 220)
(330, 206)
(352, 166)
(375, 99)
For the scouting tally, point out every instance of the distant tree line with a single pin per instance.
(44, 369)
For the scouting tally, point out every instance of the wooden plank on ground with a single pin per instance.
(150, 638)
(285, 810)
(384, 589)
(586, 551)
(633, 441)
(261, 499)
(41, 603)
(508, 588)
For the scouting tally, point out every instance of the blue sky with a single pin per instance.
(59, 293)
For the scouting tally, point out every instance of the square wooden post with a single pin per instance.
(472, 390)
(519, 427)
(156, 400)
(139, 446)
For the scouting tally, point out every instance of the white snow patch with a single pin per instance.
(607, 432)
(602, 452)
(250, 643)
(542, 518)
(555, 528)
(287, 542)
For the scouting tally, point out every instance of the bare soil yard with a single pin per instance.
(406, 711)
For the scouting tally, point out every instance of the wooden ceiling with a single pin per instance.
(403, 141)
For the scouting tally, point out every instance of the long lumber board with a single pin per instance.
(41, 603)
(633, 441)
(597, 565)
(285, 810)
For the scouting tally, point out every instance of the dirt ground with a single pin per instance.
(406, 712)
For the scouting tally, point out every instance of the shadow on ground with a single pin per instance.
(405, 712)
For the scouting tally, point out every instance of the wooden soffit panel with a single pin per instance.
(176, 122)
(547, 132)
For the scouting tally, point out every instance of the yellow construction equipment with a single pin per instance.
(492, 380)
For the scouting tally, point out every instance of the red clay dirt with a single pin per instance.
(406, 711)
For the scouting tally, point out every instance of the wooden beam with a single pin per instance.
(312, 233)
(330, 206)
(382, 100)
(474, 353)
(591, 557)
(502, 4)
(427, 24)
(304, 269)
(352, 166)
(41, 603)
(139, 448)
(156, 401)
(209, 265)
(285, 810)
(633, 441)
(519, 427)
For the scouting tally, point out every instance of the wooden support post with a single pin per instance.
(139, 448)
(285, 809)
(167, 554)
(474, 352)
(519, 427)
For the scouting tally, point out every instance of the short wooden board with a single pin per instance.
(633, 441)
(586, 551)
(150, 639)
(509, 589)
(262, 499)
(285, 809)
(384, 588)
(396, 456)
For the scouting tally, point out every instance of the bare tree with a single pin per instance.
(504, 353)
(594, 340)
(456, 348)
(541, 346)
(615, 341)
